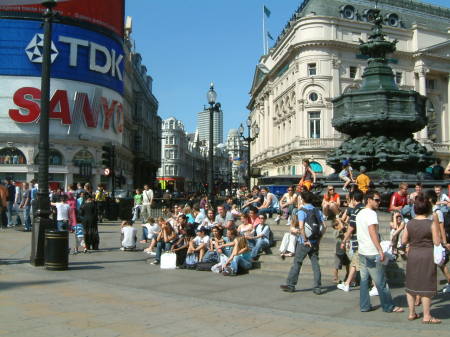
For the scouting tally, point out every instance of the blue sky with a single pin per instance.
(187, 44)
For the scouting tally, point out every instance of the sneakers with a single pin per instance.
(286, 288)
(156, 262)
(343, 287)
(277, 220)
(122, 248)
(318, 291)
(446, 289)
(373, 291)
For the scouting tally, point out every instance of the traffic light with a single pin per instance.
(108, 156)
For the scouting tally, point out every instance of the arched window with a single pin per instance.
(83, 157)
(54, 157)
(316, 167)
(12, 156)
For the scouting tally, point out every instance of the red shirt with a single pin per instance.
(334, 197)
(398, 200)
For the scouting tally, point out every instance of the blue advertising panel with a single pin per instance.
(77, 54)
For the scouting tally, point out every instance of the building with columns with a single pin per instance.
(316, 59)
(238, 153)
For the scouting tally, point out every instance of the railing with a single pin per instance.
(298, 144)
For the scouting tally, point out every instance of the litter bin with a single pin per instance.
(56, 250)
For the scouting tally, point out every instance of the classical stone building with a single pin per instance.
(238, 153)
(316, 59)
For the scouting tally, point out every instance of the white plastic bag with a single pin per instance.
(439, 255)
(168, 261)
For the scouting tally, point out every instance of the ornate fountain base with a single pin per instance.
(381, 154)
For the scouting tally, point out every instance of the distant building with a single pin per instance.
(203, 126)
(316, 58)
(238, 153)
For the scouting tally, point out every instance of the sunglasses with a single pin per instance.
(376, 200)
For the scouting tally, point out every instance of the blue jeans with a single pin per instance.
(269, 210)
(238, 263)
(27, 218)
(160, 247)
(301, 251)
(261, 243)
(10, 213)
(370, 265)
(144, 233)
(62, 225)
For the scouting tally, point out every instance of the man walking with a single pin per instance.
(311, 229)
(371, 256)
(11, 200)
(147, 199)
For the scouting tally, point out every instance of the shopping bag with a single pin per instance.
(439, 255)
(168, 261)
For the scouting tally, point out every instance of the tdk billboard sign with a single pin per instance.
(76, 53)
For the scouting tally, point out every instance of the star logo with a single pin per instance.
(35, 50)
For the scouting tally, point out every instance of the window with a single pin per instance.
(166, 170)
(167, 154)
(171, 140)
(431, 84)
(314, 124)
(313, 97)
(398, 77)
(13, 156)
(353, 71)
(175, 170)
(312, 70)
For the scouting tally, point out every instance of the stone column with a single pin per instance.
(445, 115)
(423, 134)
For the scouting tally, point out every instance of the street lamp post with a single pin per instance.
(43, 212)
(213, 106)
(249, 139)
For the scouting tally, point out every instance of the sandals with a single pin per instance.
(432, 320)
(413, 318)
(397, 310)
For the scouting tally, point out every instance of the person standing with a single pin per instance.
(147, 200)
(371, 256)
(88, 213)
(3, 205)
(62, 213)
(312, 227)
(11, 199)
(100, 200)
(26, 205)
(421, 279)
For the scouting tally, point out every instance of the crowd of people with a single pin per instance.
(229, 238)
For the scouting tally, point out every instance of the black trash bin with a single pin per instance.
(56, 250)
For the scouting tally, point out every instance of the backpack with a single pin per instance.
(205, 266)
(437, 172)
(272, 242)
(313, 223)
(447, 225)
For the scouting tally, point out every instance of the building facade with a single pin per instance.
(316, 59)
(184, 163)
(203, 126)
(238, 153)
(92, 99)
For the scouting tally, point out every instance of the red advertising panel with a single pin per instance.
(106, 13)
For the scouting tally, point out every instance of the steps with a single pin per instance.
(272, 264)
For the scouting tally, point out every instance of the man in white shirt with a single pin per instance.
(147, 199)
(371, 256)
(62, 213)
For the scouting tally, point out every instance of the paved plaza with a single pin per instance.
(115, 293)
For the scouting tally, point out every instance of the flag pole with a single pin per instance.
(264, 31)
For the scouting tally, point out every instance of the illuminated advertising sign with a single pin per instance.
(77, 54)
(76, 108)
(105, 13)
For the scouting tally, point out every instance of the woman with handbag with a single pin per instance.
(421, 234)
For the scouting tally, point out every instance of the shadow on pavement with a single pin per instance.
(13, 261)
(104, 262)
(84, 267)
(9, 285)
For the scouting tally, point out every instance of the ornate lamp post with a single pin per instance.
(44, 222)
(213, 106)
(249, 139)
